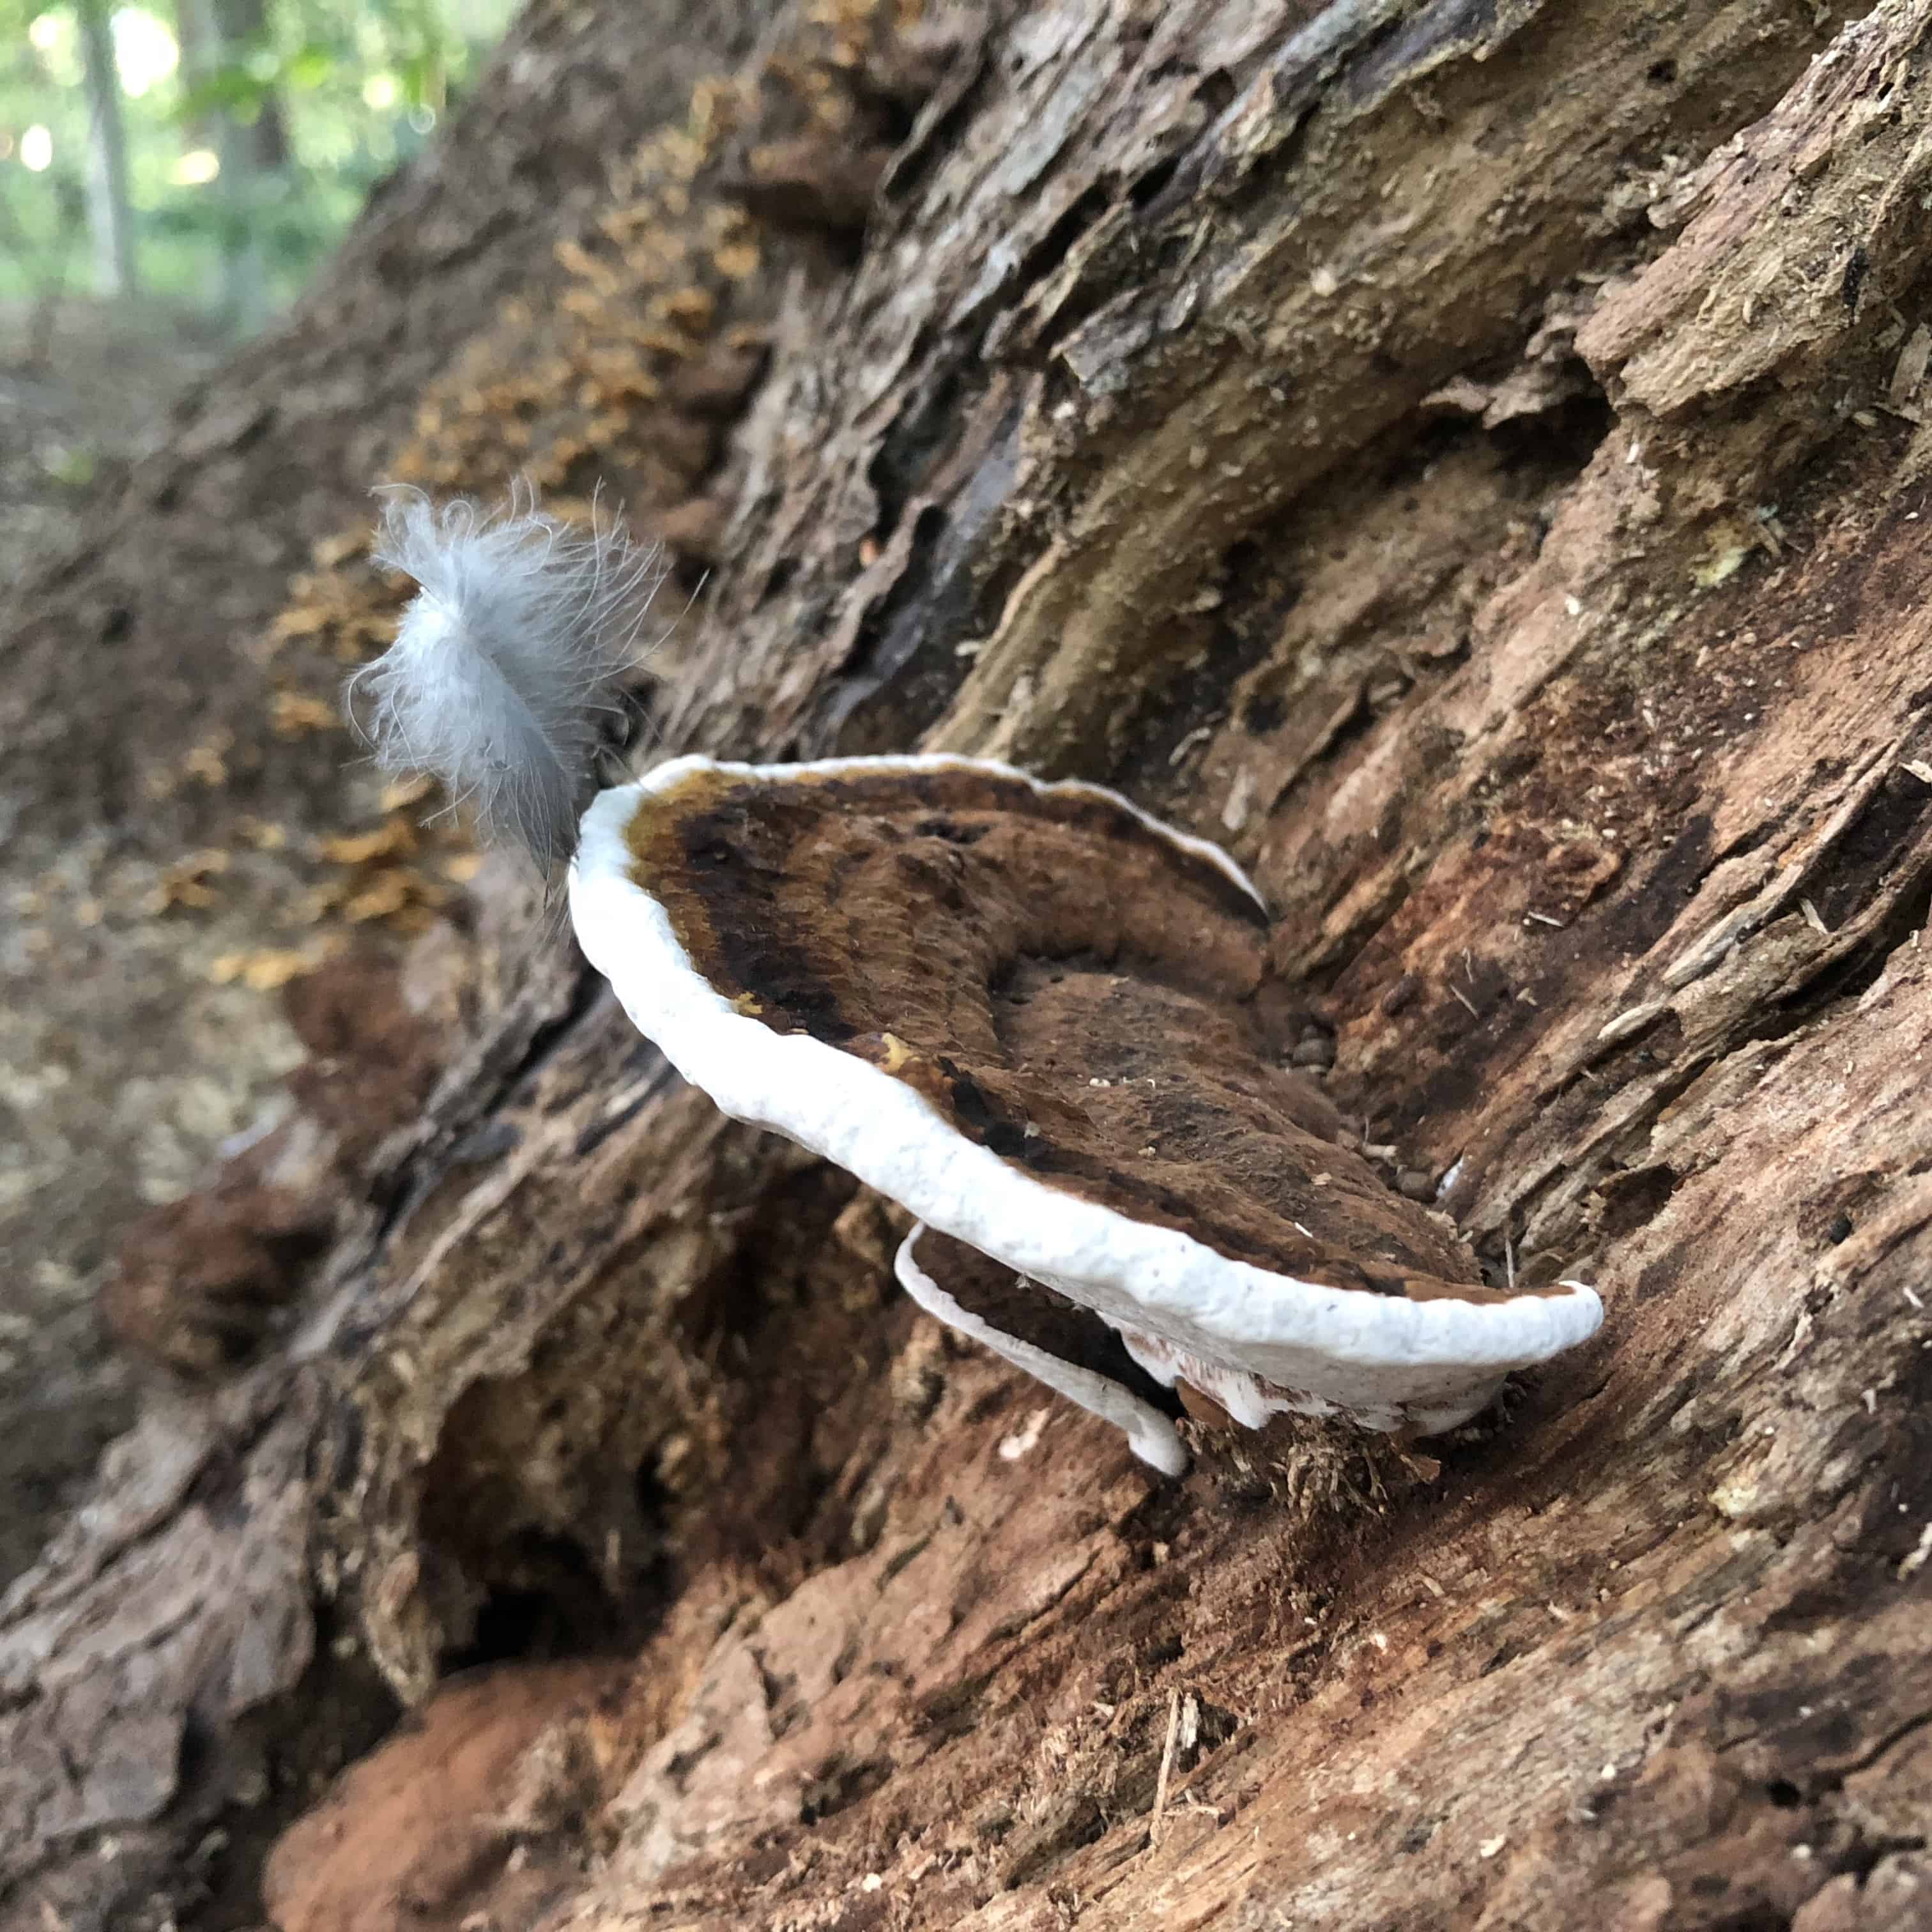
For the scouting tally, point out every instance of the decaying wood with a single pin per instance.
(1468, 459)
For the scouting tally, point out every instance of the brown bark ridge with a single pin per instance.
(1470, 459)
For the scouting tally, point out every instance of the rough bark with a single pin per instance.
(1469, 460)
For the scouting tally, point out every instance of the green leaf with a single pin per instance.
(310, 67)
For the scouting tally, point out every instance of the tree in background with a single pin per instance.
(110, 213)
(236, 114)
(221, 148)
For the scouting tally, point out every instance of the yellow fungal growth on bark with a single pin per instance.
(608, 384)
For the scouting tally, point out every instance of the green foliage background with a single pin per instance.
(359, 85)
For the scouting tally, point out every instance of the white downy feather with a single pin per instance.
(508, 672)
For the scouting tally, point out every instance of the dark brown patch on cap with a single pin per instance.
(1066, 986)
(1017, 1306)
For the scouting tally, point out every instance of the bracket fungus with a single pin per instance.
(1035, 1017)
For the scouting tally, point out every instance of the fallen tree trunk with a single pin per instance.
(1468, 459)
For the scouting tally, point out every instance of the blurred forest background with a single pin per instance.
(170, 175)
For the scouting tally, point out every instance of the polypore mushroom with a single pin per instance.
(1030, 1013)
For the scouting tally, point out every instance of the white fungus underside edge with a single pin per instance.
(1151, 1436)
(1378, 1357)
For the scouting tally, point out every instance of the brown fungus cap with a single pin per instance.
(1063, 982)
